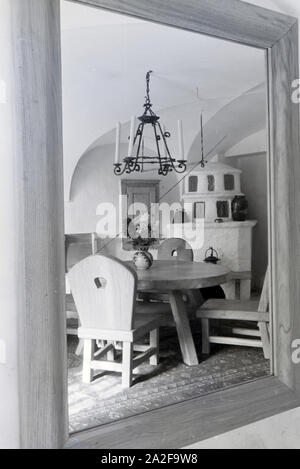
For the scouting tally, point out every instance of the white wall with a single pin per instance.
(281, 431)
(254, 186)
(288, 7)
(94, 182)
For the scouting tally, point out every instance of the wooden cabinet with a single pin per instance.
(141, 192)
(137, 192)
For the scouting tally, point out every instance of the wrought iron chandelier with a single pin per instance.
(163, 159)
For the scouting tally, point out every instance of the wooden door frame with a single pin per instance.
(42, 348)
(126, 184)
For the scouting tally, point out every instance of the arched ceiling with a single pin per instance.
(244, 116)
(105, 57)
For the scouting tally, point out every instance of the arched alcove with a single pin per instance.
(237, 120)
(94, 182)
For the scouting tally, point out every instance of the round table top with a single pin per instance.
(181, 275)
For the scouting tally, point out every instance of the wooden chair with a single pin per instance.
(104, 290)
(175, 248)
(78, 246)
(250, 311)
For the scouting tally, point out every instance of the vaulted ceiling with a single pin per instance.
(105, 58)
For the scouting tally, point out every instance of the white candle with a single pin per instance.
(143, 147)
(180, 141)
(202, 140)
(131, 138)
(118, 142)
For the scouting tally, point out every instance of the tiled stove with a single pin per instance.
(208, 194)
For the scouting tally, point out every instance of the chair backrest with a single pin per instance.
(104, 291)
(79, 246)
(264, 297)
(175, 248)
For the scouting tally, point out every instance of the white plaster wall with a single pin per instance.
(255, 143)
(289, 7)
(94, 183)
(9, 402)
(279, 432)
(254, 186)
(235, 121)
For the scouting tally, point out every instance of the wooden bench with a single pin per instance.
(238, 310)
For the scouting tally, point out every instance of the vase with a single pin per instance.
(239, 208)
(143, 260)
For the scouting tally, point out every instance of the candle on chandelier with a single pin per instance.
(118, 142)
(131, 138)
(202, 142)
(143, 147)
(180, 140)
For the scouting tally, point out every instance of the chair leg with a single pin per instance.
(205, 336)
(79, 348)
(111, 356)
(154, 342)
(265, 338)
(127, 364)
(88, 355)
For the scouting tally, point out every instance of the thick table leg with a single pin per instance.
(183, 329)
(230, 290)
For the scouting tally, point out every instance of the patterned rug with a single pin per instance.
(104, 401)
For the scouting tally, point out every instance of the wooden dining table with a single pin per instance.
(174, 277)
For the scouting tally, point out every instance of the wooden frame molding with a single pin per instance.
(39, 210)
(182, 424)
(39, 178)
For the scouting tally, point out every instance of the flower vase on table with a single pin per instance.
(141, 240)
(143, 259)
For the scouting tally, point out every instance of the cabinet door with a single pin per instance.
(141, 195)
(138, 192)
